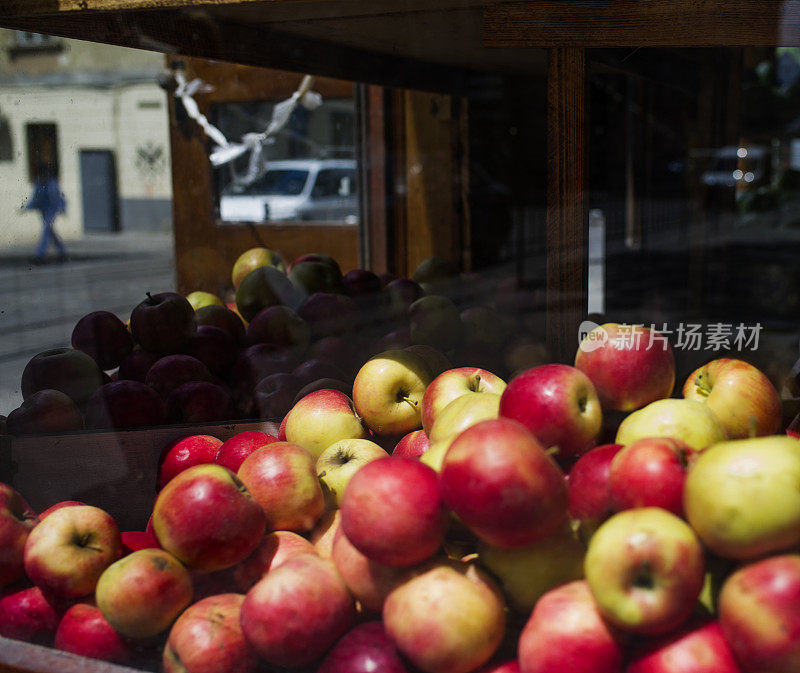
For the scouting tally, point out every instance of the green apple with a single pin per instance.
(645, 568)
(688, 420)
(198, 299)
(742, 496)
(527, 573)
(253, 259)
(340, 461)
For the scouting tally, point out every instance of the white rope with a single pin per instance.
(224, 151)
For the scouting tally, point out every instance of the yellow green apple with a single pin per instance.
(688, 420)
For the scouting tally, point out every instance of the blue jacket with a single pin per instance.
(47, 198)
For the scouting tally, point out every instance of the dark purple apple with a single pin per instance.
(255, 363)
(281, 326)
(312, 370)
(124, 404)
(402, 292)
(434, 320)
(172, 371)
(361, 282)
(222, 317)
(104, 337)
(215, 348)
(329, 314)
(386, 278)
(66, 369)
(342, 352)
(397, 339)
(134, 367)
(163, 322)
(364, 649)
(323, 384)
(199, 402)
(274, 395)
(317, 257)
(46, 411)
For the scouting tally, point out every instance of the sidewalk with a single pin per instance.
(40, 303)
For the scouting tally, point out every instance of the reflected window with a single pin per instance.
(306, 172)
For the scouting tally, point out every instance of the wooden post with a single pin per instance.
(567, 210)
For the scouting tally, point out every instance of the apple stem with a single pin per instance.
(413, 403)
(702, 385)
(552, 451)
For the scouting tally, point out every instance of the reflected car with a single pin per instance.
(323, 190)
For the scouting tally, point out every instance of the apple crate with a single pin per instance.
(115, 470)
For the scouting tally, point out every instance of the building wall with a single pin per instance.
(99, 98)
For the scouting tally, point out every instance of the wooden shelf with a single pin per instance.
(427, 43)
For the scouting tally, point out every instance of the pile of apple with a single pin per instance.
(497, 537)
(197, 359)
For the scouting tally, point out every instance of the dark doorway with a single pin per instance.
(42, 150)
(99, 191)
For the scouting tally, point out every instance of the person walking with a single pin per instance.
(49, 200)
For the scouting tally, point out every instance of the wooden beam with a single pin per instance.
(567, 212)
(643, 23)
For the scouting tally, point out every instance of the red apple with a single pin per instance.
(739, 394)
(186, 452)
(84, 631)
(134, 540)
(369, 582)
(297, 611)
(59, 505)
(17, 520)
(207, 518)
(698, 645)
(412, 445)
(141, 594)
(364, 649)
(566, 634)
(501, 667)
(233, 451)
(273, 550)
(46, 411)
(558, 404)
(451, 384)
(124, 404)
(66, 553)
(393, 513)
(589, 493)
(321, 418)
(651, 472)
(759, 613)
(645, 568)
(446, 617)
(282, 479)
(163, 323)
(322, 535)
(71, 371)
(29, 615)
(104, 337)
(489, 462)
(629, 365)
(207, 638)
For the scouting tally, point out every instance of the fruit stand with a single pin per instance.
(581, 74)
